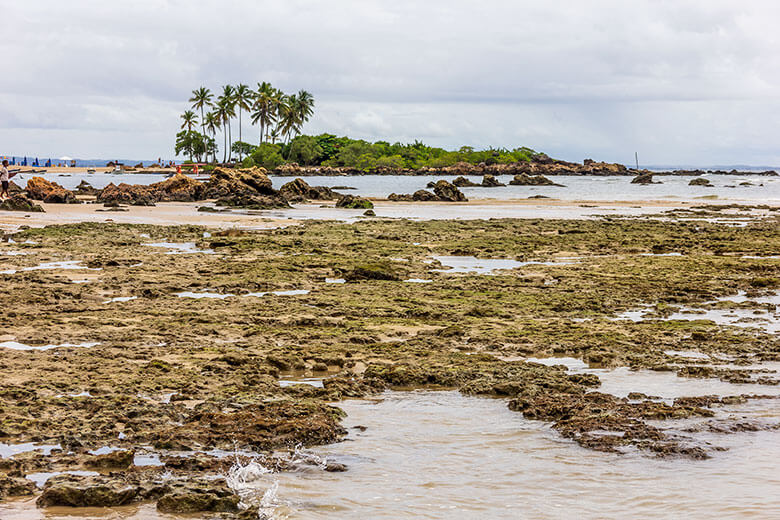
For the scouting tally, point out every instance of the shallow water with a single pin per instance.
(467, 457)
(575, 187)
(443, 455)
(15, 345)
(471, 264)
(766, 318)
(180, 248)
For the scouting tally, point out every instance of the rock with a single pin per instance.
(135, 194)
(371, 272)
(179, 188)
(117, 459)
(352, 202)
(15, 486)
(463, 182)
(214, 497)
(644, 178)
(448, 192)
(85, 188)
(489, 181)
(400, 198)
(529, 180)
(249, 187)
(369, 213)
(299, 190)
(423, 195)
(288, 169)
(80, 491)
(39, 188)
(335, 467)
(700, 181)
(19, 202)
(14, 188)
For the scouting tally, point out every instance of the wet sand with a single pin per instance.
(175, 213)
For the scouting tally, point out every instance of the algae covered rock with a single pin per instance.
(700, 181)
(463, 182)
(423, 196)
(353, 202)
(447, 192)
(15, 486)
(117, 459)
(644, 178)
(489, 181)
(81, 491)
(199, 497)
(299, 190)
(19, 202)
(378, 271)
(85, 188)
(531, 180)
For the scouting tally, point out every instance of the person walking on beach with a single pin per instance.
(5, 178)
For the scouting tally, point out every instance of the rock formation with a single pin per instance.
(39, 188)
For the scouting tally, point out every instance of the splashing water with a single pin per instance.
(247, 480)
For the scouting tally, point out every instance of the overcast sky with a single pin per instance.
(679, 81)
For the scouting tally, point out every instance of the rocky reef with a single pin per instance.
(195, 384)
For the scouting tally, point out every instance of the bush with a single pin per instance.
(268, 156)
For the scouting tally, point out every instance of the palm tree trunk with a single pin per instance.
(224, 151)
(239, 131)
(230, 141)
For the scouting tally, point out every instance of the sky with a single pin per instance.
(677, 81)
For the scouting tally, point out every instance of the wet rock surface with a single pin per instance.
(443, 191)
(353, 202)
(644, 178)
(19, 202)
(299, 190)
(529, 180)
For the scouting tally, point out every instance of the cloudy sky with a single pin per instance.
(679, 81)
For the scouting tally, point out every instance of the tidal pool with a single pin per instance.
(443, 455)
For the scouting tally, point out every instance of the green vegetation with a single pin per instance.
(329, 150)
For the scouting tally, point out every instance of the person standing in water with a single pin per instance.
(4, 180)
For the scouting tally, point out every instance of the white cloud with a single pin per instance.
(677, 80)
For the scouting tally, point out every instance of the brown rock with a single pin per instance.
(39, 188)
(448, 193)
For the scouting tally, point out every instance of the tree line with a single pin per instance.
(329, 150)
(280, 116)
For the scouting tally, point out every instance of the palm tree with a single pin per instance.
(226, 108)
(288, 116)
(189, 119)
(201, 98)
(225, 112)
(266, 102)
(304, 106)
(242, 97)
(211, 124)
